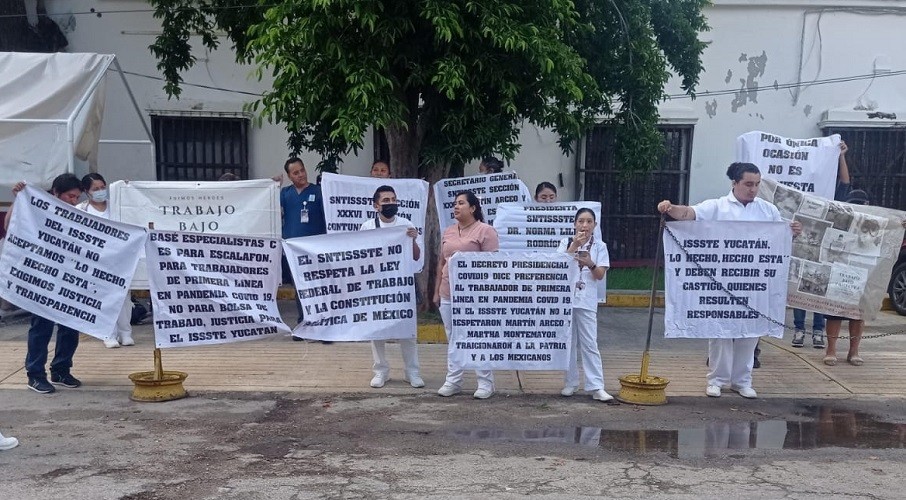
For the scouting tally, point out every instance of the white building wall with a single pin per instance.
(755, 44)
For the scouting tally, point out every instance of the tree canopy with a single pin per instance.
(448, 80)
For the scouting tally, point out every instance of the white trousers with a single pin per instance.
(454, 370)
(585, 346)
(409, 348)
(730, 362)
(123, 329)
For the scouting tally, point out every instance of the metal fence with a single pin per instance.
(194, 148)
(877, 162)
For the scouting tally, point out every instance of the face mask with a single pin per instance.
(389, 210)
(98, 196)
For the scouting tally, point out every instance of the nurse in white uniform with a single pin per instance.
(730, 361)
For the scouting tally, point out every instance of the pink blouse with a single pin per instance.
(479, 237)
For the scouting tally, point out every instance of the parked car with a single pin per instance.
(897, 287)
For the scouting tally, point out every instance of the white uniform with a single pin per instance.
(730, 360)
(408, 346)
(585, 322)
(122, 332)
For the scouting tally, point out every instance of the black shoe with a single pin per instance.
(298, 339)
(327, 342)
(756, 363)
(64, 379)
(40, 385)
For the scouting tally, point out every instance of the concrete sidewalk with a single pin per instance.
(280, 364)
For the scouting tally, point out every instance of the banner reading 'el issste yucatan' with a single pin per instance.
(349, 200)
(511, 310)
(841, 262)
(67, 266)
(722, 278)
(491, 190)
(213, 288)
(808, 165)
(248, 208)
(354, 286)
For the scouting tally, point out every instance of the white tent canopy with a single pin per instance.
(51, 109)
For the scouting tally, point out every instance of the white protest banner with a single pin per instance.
(491, 190)
(348, 201)
(540, 226)
(213, 288)
(66, 265)
(511, 310)
(354, 286)
(750, 260)
(808, 165)
(841, 262)
(249, 208)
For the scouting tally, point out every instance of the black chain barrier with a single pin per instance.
(739, 301)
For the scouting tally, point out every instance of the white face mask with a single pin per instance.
(98, 196)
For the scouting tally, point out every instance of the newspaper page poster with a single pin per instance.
(354, 286)
(213, 288)
(807, 165)
(841, 262)
(491, 190)
(250, 208)
(349, 200)
(725, 279)
(512, 310)
(66, 265)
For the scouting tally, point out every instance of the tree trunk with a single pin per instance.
(427, 280)
(404, 146)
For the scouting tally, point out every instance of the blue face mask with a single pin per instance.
(98, 196)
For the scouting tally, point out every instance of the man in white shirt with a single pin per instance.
(386, 207)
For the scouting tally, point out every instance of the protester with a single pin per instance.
(229, 176)
(95, 187)
(386, 207)
(68, 189)
(546, 192)
(469, 234)
(818, 319)
(8, 443)
(731, 360)
(303, 212)
(593, 261)
(490, 165)
(380, 169)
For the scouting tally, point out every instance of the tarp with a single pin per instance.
(66, 91)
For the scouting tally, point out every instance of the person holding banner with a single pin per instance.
(593, 260)
(730, 360)
(490, 165)
(95, 187)
(68, 189)
(545, 192)
(469, 234)
(386, 207)
(380, 169)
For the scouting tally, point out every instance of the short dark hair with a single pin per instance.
(473, 201)
(858, 197)
(229, 176)
(65, 182)
(544, 185)
(736, 171)
(585, 210)
(89, 179)
(382, 189)
(290, 161)
(493, 164)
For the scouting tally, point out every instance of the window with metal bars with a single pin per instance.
(200, 148)
(629, 221)
(877, 162)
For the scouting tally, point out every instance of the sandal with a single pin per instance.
(854, 360)
(830, 360)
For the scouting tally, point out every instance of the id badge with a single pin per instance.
(304, 216)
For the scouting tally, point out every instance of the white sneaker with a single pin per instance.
(111, 343)
(127, 341)
(746, 392)
(568, 390)
(378, 381)
(601, 395)
(448, 390)
(8, 443)
(483, 393)
(415, 381)
(713, 391)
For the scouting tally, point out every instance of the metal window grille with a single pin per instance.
(629, 221)
(877, 162)
(200, 148)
